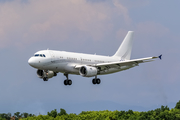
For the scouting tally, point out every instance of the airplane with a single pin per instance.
(49, 62)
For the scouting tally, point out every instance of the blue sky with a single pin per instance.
(89, 27)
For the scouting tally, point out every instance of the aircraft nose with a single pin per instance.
(31, 62)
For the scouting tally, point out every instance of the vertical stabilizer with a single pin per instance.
(124, 51)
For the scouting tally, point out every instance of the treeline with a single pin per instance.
(163, 113)
(16, 116)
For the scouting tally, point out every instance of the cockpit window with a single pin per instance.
(41, 55)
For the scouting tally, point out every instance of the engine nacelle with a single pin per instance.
(88, 71)
(40, 73)
(48, 74)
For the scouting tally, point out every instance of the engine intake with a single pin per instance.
(48, 74)
(88, 71)
(40, 73)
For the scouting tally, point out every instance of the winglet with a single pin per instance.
(160, 57)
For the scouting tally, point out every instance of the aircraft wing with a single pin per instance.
(134, 62)
(121, 64)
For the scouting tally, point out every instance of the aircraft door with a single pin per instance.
(52, 56)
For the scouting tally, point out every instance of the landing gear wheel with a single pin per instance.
(69, 82)
(98, 81)
(94, 81)
(45, 79)
(65, 82)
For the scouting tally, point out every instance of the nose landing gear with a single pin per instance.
(45, 78)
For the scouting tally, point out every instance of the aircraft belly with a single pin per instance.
(61, 66)
(69, 68)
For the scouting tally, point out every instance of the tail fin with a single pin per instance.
(124, 51)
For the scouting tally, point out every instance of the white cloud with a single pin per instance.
(37, 20)
(122, 10)
(131, 4)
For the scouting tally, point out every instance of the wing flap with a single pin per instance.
(134, 62)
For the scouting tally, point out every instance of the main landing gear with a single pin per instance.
(67, 81)
(96, 80)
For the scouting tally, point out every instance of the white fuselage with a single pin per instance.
(50, 62)
(65, 62)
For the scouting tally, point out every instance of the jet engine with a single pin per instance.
(42, 74)
(88, 71)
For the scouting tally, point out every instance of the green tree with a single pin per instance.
(2, 118)
(62, 112)
(53, 113)
(8, 116)
(43, 117)
(177, 105)
(164, 108)
(17, 115)
(129, 112)
(5, 116)
(24, 115)
(31, 115)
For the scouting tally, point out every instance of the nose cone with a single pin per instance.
(32, 62)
